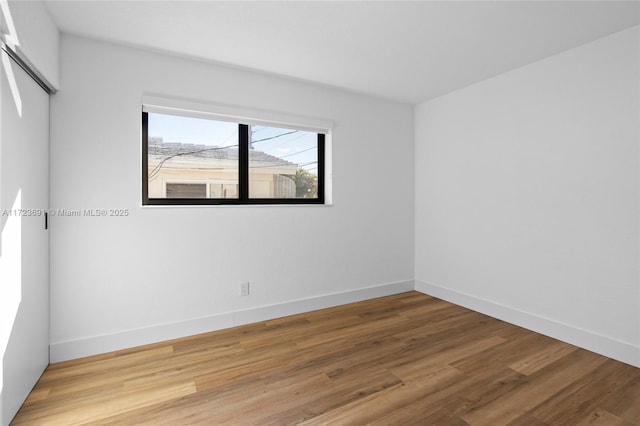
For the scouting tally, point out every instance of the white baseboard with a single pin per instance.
(585, 339)
(62, 351)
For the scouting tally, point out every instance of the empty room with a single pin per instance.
(320, 212)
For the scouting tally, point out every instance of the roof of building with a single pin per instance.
(167, 150)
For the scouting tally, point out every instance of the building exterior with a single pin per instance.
(178, 170)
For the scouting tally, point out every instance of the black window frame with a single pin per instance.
(243, 176)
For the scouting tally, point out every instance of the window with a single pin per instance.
(190, 160)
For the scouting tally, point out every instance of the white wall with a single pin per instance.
(527, 196)
(167, 272)
(37, 37)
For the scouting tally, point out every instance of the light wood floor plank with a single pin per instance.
(603, 418)
(544, 356)
(548, 382)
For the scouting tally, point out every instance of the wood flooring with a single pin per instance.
(399, 360)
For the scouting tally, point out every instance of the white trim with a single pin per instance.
(621, 351)
(72, 349)
(234, 114)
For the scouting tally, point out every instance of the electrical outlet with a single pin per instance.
(244, 289)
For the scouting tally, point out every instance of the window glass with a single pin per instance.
(185, 155)
(283, 163)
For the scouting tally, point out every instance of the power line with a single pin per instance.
(299, 152)
(276, 136)
(288, 141)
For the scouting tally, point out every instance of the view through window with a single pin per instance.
(189, 160)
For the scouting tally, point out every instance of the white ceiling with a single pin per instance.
(404, 51)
